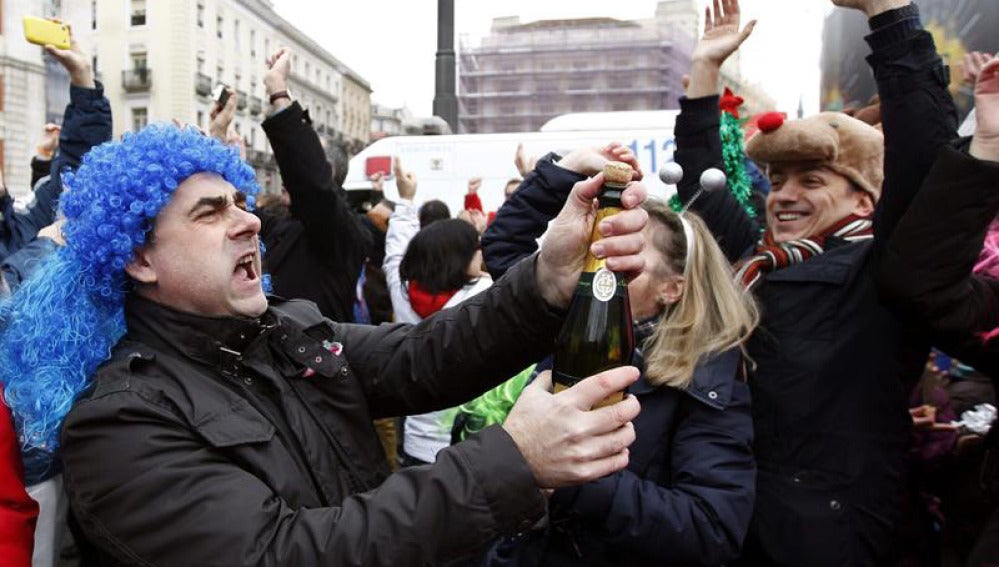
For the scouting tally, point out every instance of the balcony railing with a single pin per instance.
(137, 80)
(202, 84)
(241, 100)
(256, 105)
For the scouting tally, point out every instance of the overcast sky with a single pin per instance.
(392, 43)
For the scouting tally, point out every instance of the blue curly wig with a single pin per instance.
(62, 323)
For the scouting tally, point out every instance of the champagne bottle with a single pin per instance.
(597, 334)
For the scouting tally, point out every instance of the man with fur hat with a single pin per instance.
(203, 423)
(831, 364)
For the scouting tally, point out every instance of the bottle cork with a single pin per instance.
(617, 172)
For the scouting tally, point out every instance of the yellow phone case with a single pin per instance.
(46, 32)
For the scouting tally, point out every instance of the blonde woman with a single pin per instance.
(687, 495)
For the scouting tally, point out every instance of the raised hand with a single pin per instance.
(590, 161)
(722, 36)
(563, 442)
(76, 62)
(524, 163)
(276, 77)
(972, 65)
(985, 143)
(221, 118)
(405, 181)
(49, 141)
(474, 184)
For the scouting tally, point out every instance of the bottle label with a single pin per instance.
(604, 284)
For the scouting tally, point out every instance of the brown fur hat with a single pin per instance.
(846, 145)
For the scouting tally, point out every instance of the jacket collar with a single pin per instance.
(711, 383)
(218, 342)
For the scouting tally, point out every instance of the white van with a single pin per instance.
(444, 164)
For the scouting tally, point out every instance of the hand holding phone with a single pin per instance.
(223, 113)
(220, 94)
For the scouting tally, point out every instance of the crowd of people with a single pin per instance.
(196, 374)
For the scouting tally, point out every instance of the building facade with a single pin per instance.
(22, 110)
(160, 60)
(523, 74)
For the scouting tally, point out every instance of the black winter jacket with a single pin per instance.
(834, 364)
(227, 442)
(317, 252)
(926, 270)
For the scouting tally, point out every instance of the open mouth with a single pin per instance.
(790, 216)
(246, 267)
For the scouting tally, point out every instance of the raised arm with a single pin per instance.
(403, 226)
(698, 139)
(917, 111)
(316, 199)
(86, 123)
(926, 270)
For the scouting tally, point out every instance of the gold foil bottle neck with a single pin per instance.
(617, 172)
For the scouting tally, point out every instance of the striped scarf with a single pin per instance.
(771, 256)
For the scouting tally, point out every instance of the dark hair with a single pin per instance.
(433, 211)
(338, 161)
(438, 256)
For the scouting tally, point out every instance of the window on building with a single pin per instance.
(235, 32)
(93, 64)
(218, 26)
(267, 47)
(508, 86)
(138, 12)
(93, 14)
(201, 63)
(548, 86)
(218, 72)
(306, 70)
(507, 109)
(580, 83)
(140, 117)
(200, 15)
(201, 119)
(139, 61)
(253, 43)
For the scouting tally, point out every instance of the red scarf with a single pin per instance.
(425, 303)
(771, 256)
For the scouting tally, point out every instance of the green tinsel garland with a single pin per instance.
(739, 182)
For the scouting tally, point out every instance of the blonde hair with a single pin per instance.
(714, 313)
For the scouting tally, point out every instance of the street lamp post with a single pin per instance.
(445, 100)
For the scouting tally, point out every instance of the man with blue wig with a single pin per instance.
(201, 422)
